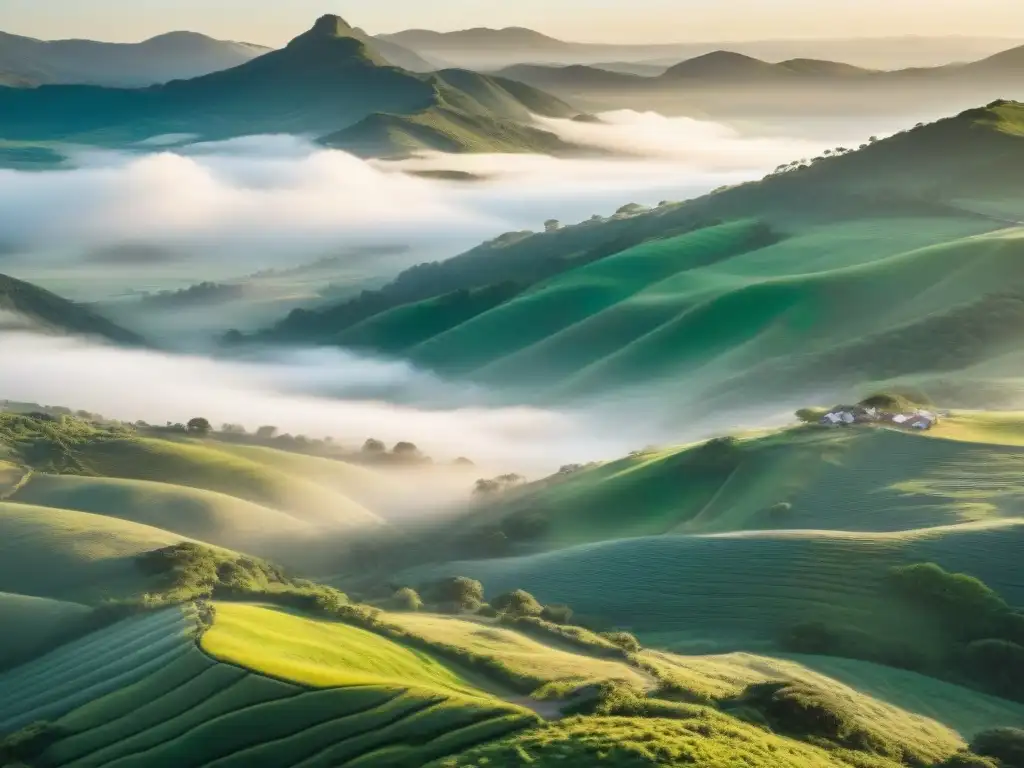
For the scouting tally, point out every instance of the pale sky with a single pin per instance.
(274, 22)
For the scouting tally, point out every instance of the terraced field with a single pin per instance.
(141, 693)
(267, 688)
(729, 591)
(87, 670)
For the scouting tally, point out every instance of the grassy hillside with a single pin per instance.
(298, 510)
(733, 591)
(48, 552)
(394, 331)
(540, 661)
(707, 739)
(142, 693)
(572, 297)
(322, 654)
(894, 262)
(443, 129)
(196, 514)
(32, 622)
(263, 687)
(204, 465)
(41, 310)
(737, 336)
(965, 711)
(928, 714)
(803, 478)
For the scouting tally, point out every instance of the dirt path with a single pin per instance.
(7, 494)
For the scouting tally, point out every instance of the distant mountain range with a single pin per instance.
(726, 84)
(483, 48)
(329, 82)
(176, 55)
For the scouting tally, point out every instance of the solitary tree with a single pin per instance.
(406, 599)
(517, 603)
(552, 225)
(459, 591)
(199, 426)
(405, 449)
(374, 446)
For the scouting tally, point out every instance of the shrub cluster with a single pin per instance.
(815, 715)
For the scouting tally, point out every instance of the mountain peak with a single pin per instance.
(331, 26)
(333, 33)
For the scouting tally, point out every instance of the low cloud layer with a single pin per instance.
(701, 146)
(217, 210)
(317, 393)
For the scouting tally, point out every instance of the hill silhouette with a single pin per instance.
(26, 305)
(728, 84)
(509, 37)
(171, 56)
(323, 81)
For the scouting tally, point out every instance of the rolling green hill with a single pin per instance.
(87, 557)
(32, 623)
(805, 478)
(25, 305)
(204, 466)
(298, 510)
(215, 518)
(441, 129)
(327, 80)
(893, 263)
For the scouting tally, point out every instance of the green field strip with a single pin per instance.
(124, 724)
(450, 743)
(129, 700)
(54, 709)
(302, 744)
(320, 653)
(90, 670)
(225, 735)
(250, 691)
(431, 719)
(95, 648)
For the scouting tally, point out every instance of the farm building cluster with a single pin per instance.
(847, 415)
